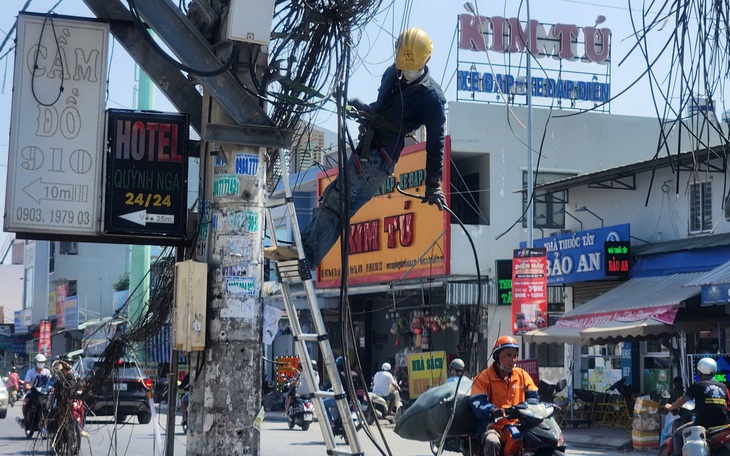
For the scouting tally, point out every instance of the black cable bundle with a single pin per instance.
(141, 327)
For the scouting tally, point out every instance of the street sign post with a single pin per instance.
(146, 174)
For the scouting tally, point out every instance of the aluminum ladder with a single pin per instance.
(298, 271)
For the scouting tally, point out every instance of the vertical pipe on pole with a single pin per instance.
(530, 208)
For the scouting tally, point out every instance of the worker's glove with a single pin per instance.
(358, 104)
(497, 413)
(434, 195)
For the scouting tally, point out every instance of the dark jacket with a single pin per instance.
(405, 108)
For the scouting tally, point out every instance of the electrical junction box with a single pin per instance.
(249, 21)
(191, 286)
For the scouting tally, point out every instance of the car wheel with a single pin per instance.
(4, 413)
(144, 417)
(121, 418)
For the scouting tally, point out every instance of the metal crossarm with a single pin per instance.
(298, 271)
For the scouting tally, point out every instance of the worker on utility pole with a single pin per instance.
(408, 98)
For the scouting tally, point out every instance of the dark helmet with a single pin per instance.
(457, 364)
(12, 369)
(504, 342)
(68, 358)
(340, 361)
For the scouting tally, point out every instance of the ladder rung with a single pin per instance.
(311, 337)
(277, 202)
(293, 271)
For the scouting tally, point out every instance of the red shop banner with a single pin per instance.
(529, 289)
(44, 340)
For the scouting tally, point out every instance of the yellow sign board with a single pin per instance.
(393, 236)
(425, 370)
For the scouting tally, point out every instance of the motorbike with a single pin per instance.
(65, 420)
(13, 395)
(547, 391)
(38, 398)
(339, 431)
(714, 441)
(301, 413)
(536, 432)
(379, 406)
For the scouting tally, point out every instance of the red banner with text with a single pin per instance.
(529, 289)
(44, 341)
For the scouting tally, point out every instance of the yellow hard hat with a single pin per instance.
(413, 49)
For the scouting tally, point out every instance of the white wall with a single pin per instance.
(577, 144)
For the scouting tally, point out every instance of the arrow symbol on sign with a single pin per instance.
(142, 218)
(39, 190)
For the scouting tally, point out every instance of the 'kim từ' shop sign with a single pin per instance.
(394, 237)
(146, 174)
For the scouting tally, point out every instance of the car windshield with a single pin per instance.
(123, 369)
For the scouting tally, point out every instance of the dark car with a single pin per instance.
(125, 393)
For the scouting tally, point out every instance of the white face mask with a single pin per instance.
(40, 365)
(412, 75)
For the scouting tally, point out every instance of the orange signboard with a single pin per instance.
(394, 237)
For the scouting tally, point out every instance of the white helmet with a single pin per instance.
(707, 366)
(386, 366)
(40, 358)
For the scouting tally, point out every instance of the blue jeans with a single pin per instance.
(323, 231)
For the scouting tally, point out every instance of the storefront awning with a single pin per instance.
(553, 335)
(719, 275)
(635, 301)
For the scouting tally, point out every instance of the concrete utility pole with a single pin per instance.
(226, 396)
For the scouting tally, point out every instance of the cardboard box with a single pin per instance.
(644, 406)
(645, 439)
(645, 422)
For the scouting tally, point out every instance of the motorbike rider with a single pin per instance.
(499, 386)
(711, 401)
(456, 370)
(300, 387)
(38, 376)
(14, 381)
(185, 399)
(330, 405)
(383, 382)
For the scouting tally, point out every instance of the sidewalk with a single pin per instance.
(605, 437)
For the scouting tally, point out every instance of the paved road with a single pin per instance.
(276, 440)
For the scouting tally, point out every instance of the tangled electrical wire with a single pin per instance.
(697, 49)
(142, 327)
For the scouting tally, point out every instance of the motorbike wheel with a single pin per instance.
(434, 446)
(663, 450)
(550, 452)
(290, 422)
(305, 425)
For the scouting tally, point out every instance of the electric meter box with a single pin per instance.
(249, 21)
(191, 286)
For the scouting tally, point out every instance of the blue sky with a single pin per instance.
(374, 51)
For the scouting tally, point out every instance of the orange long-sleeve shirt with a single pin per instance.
(489, 389)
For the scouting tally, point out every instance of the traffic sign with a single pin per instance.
(57, 128)
(146, 174)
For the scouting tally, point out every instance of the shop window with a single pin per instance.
(469, 196)
(51, 257)
(700, 207)
(68, 248)
(549, 207)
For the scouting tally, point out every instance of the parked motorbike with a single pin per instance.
(714, 441)
(536, 432)
(547, 391)
(301, 413)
